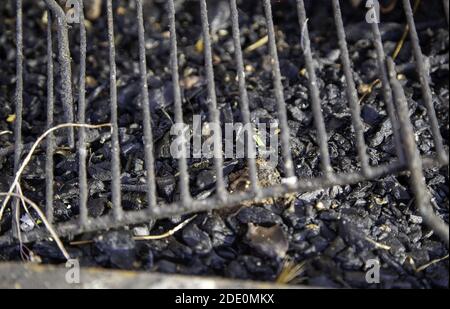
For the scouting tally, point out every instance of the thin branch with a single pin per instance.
(5, 132)
(377, 244)
(49, 227)
(33, 149)
(140, 238)
(167, 234)
(423, 267)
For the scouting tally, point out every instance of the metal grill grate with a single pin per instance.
(408, 157)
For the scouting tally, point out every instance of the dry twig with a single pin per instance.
(149, 237)
(41, 215)
(33, 149)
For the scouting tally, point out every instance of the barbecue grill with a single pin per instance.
(408, 159)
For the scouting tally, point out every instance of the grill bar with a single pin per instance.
(182, 164)
(424, 82)
(314, 91)
(414, 161)
(352, 95)
(408, 157)
(82, 152)
(147, 125)
(212, 102)
(279, 95)
(176, 209)
(50, 144)
(19, 86)
(115, 148)
(65, 66)
(245, 110)
(387, 91)
(18, 101)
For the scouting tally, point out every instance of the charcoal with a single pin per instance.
(96, 186)
(319, 243)
(141, 230)
(227, 253)
(382, 134)
(100, 171)
(196, 239)
(219, 233)
(236, 270)
(62, 211)
(166, 267)
(416, 234)
(349, 259)
(438, 276)
(257, 215)
(297, 113)
(370, 115)
(96, 207)
(166, 186)
(206, 179)
(415, 219)
(334, 229)
(118, 248)
(178, 251)
(215, 261)
(289, 69)
(330, 215)
(356, 278)
(49, 251)
(161, 98)
(27, 223)
(335, 247)
(323, 280)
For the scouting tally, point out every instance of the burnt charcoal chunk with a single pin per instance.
(50, 252)
(296, 113)
(435, 249)
(96, 207)
(401, 193)
(420, 256)
(100, 171)
(356, 278)
(161, 98)
(215, 261)
(117, 247)
(62, 211)
(319, 243)
(236, 270)
(289, 70)
(335, 247)
(218, 231)
(206, 179)
(329, 215)
(166, 186)
(197, 239)
(349, 259)
(35, 170)
(258, 215)
(166, 267)
(370, 115)
(178, 251)
(438, 275)
(382, 134)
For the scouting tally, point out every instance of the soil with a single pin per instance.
(332, 231)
